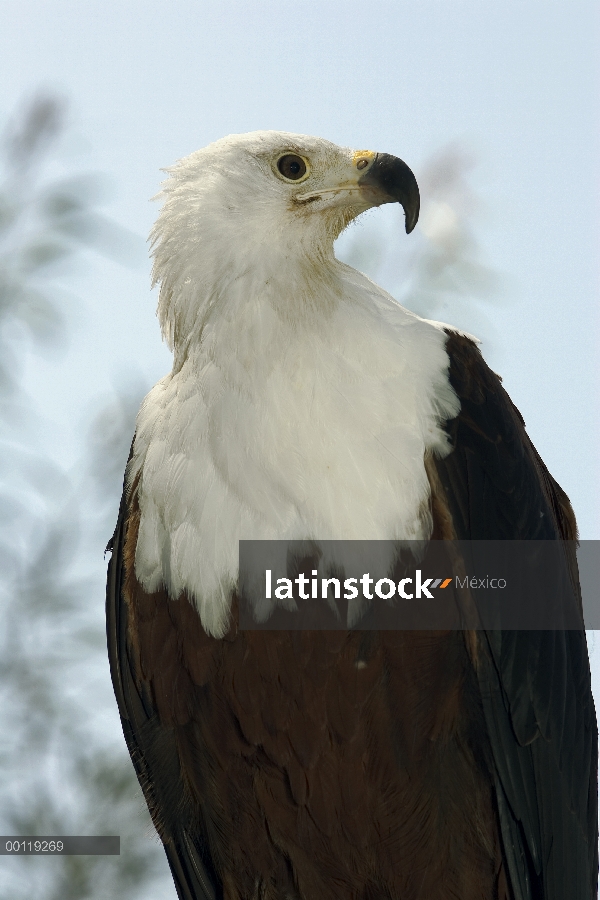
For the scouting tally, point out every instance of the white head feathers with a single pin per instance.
(227, 210)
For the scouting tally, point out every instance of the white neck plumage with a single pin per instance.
(300, 406)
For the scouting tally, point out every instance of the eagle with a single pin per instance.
(305, 403)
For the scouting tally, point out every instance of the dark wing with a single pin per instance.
(535, 685)
(152, 746)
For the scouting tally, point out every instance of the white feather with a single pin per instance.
(303, 397)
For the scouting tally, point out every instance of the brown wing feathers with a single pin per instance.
(535, 686)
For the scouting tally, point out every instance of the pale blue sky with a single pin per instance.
(516, 82)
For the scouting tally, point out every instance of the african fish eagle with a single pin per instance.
(304, 402)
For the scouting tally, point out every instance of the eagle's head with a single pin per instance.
(250, 205)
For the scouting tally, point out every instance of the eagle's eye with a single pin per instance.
(292, 167)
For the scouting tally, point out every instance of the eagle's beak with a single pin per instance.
(371, 179)
(389, 180)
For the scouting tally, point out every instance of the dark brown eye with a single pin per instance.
(292, 167)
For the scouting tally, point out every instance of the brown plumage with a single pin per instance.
(327, 764)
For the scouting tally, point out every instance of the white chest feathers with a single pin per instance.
(297, 427)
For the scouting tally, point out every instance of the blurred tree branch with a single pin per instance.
(66, 768)
(441, 272)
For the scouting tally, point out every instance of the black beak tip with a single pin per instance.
(394, 181)
(410, 220)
